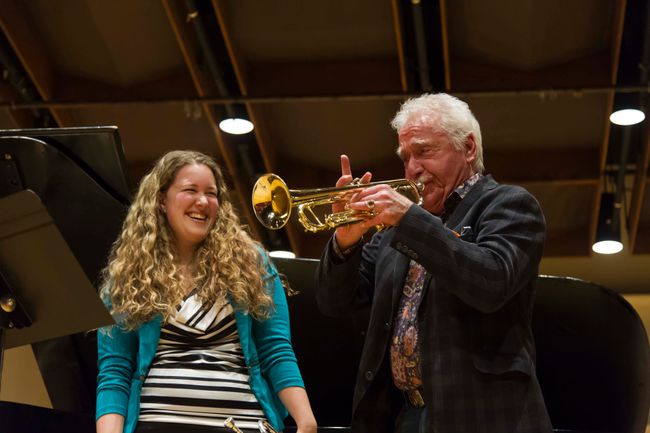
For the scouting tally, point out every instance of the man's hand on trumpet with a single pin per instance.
(348, 235)
(387, 205)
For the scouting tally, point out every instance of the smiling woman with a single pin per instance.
(191, 206)
(203, 331)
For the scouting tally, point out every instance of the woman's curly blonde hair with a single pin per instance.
(142, 278)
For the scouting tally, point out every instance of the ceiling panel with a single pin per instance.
(528, 35)
(119, 42)
(292, 30)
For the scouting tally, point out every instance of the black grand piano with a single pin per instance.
(592, 356)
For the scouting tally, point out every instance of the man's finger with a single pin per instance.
(345, 166)
(344, 180)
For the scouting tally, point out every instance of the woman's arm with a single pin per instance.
(110, 423)
(295, 400)
(277, 360)
(116, 361)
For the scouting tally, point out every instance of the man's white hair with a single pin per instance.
(454, 118)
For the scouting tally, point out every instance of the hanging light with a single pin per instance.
(608, 235)
(627, 110)
(282, 254)
(236, 125)
(627, 116)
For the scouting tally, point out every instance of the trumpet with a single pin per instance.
(273, 202)
(262, 425)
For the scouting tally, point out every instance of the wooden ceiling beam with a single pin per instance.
(399, 44)
(261, 134)
(186, 38)
(562, 164)
(641, 180)
(19, 119)
(587, 72)
(362, 76)
(31, 53)
(445, 44)
(175, 86)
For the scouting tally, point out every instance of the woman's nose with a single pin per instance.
(202, 200)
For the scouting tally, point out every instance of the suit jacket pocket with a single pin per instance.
(502, 363)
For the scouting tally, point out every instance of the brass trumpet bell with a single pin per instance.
(273, 201)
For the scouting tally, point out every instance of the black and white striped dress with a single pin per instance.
(199, 376)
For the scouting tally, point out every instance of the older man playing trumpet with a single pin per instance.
(450, 285)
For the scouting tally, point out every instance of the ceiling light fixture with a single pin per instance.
(627, 110)
(627, 116)
(608, 235)
(236, 126)
(282, 254)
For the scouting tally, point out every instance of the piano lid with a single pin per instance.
(80, 177)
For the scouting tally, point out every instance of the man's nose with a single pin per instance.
(413, 168)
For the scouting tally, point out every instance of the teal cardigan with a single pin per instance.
(124, 358)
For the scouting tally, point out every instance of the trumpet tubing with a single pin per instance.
(229, 423)
(273, 202)
(262, 425)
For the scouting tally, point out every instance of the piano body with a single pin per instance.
(79, 175)
(593, 379)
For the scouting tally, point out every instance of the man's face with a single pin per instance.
(430, 157)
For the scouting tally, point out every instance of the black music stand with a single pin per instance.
(44, 292)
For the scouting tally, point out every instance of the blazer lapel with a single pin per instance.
(485, 184)
(400, 268)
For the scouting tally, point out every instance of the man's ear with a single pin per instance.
(470, 148)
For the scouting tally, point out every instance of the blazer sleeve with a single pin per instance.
(116, 361)
(488, 270)
(273, 338)
(346, 286)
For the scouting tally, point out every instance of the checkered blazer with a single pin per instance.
(477, 348)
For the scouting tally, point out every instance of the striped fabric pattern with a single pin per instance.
(199, 376)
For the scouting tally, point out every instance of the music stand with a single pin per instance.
(52, 295)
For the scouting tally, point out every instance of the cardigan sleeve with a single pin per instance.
(116, 361)
(273, 338)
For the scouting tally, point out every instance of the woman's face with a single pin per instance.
(191, 206)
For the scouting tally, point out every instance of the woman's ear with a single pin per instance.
(161, 200)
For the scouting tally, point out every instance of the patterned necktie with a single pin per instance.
(405, 347)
